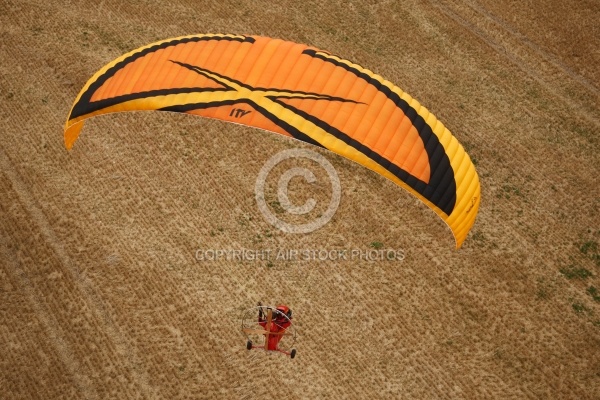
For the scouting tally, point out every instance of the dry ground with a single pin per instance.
(100, 292)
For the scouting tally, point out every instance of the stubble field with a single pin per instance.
(101, 292)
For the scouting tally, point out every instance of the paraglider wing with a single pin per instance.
(297, 91)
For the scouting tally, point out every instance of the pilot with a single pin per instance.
(281, 320)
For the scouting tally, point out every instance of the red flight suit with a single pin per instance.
(277, 325)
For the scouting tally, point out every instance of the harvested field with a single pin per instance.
(102, 294)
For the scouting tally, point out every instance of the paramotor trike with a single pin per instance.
(268, 328)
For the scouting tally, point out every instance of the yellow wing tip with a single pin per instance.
(461, 233)
(72, 133)
(458, 243)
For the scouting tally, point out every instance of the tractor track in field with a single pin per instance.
(53, 329)
(89, 294)
(522, 52)
(586, 83)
